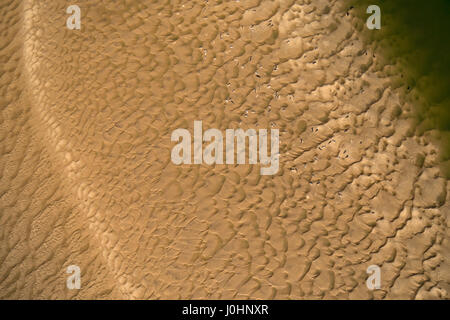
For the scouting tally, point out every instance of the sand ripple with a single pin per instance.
(86, 179)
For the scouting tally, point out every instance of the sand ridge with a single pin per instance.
(87, 177)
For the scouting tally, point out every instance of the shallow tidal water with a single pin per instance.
(414, 35)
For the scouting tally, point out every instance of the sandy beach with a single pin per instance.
(86, 179)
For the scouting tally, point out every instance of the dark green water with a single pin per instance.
(416, 35)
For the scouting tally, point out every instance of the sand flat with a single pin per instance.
(87, 179)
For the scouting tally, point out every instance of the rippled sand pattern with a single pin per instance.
(86, 176)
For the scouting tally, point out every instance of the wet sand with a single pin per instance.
(87, 179)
